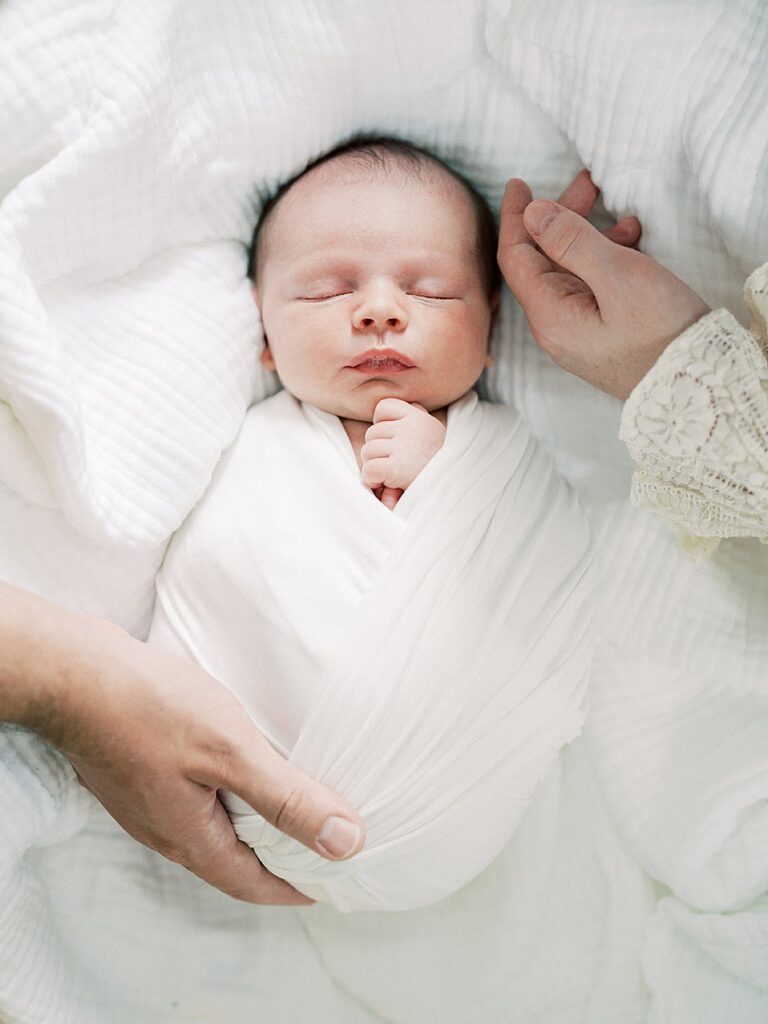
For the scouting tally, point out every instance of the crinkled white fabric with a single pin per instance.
(135, 138)
(426, 664)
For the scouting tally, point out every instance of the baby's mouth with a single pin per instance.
(384, 361)
(381, 365)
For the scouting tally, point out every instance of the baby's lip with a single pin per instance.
(381, 356)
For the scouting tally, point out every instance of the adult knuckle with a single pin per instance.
(564, 237)
(509, 249)
(291, 809)
(220, 755)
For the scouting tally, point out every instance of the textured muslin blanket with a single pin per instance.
(138, 138)
(426, 663)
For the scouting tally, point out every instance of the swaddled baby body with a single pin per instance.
(387, 571)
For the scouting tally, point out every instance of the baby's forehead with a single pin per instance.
(395, 175)
(358, 184)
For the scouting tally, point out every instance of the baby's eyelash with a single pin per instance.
(336, 295)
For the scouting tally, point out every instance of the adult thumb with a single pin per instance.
(299, 806)
(571, 241)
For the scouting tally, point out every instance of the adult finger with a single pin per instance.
(541, 287)
(580, 197)
(573, 243)
(581, 194)
(219, 858)
(625, 232)
(293, 802)
(520, 260)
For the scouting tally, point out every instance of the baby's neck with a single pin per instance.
(356, 430)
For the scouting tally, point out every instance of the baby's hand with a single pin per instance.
(398, 445)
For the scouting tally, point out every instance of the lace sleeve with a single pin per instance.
(697, 427)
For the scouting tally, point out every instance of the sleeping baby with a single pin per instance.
(387, 571)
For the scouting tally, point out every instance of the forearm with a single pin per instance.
(46, 651)
(27, 662)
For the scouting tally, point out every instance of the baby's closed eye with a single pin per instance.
(324, 296)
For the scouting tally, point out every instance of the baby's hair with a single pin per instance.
(380, 151)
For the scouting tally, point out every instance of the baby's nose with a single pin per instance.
(380, 314)
(393, 322)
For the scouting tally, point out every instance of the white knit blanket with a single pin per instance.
(136, 139)
(426, 664)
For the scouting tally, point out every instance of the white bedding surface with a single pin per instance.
(137, 139)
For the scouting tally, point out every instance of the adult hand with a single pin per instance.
(601, 309)
(154, 737)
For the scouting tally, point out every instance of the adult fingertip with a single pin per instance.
(296, 804)
(539, 215)
(339, 838)
(516, 187)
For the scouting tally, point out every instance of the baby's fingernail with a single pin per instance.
(339, 837)
(538, 219)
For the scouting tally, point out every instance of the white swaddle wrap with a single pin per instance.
(426, 663)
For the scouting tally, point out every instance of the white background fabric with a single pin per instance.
(137, 140)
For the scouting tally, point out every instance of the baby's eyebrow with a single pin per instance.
(432, 263)
(324, 266)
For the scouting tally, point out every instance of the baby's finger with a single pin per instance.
(380, 431)
(375, 472)
(390, 409)
(377, 449)
(390, 496)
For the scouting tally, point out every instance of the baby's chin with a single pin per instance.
(361, 405)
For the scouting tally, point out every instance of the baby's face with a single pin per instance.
(364, 273)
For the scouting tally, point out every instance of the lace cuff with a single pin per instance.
(697, 427)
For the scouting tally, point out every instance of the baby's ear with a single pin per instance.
(267, 360)
(495, 302)
(265, 355)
